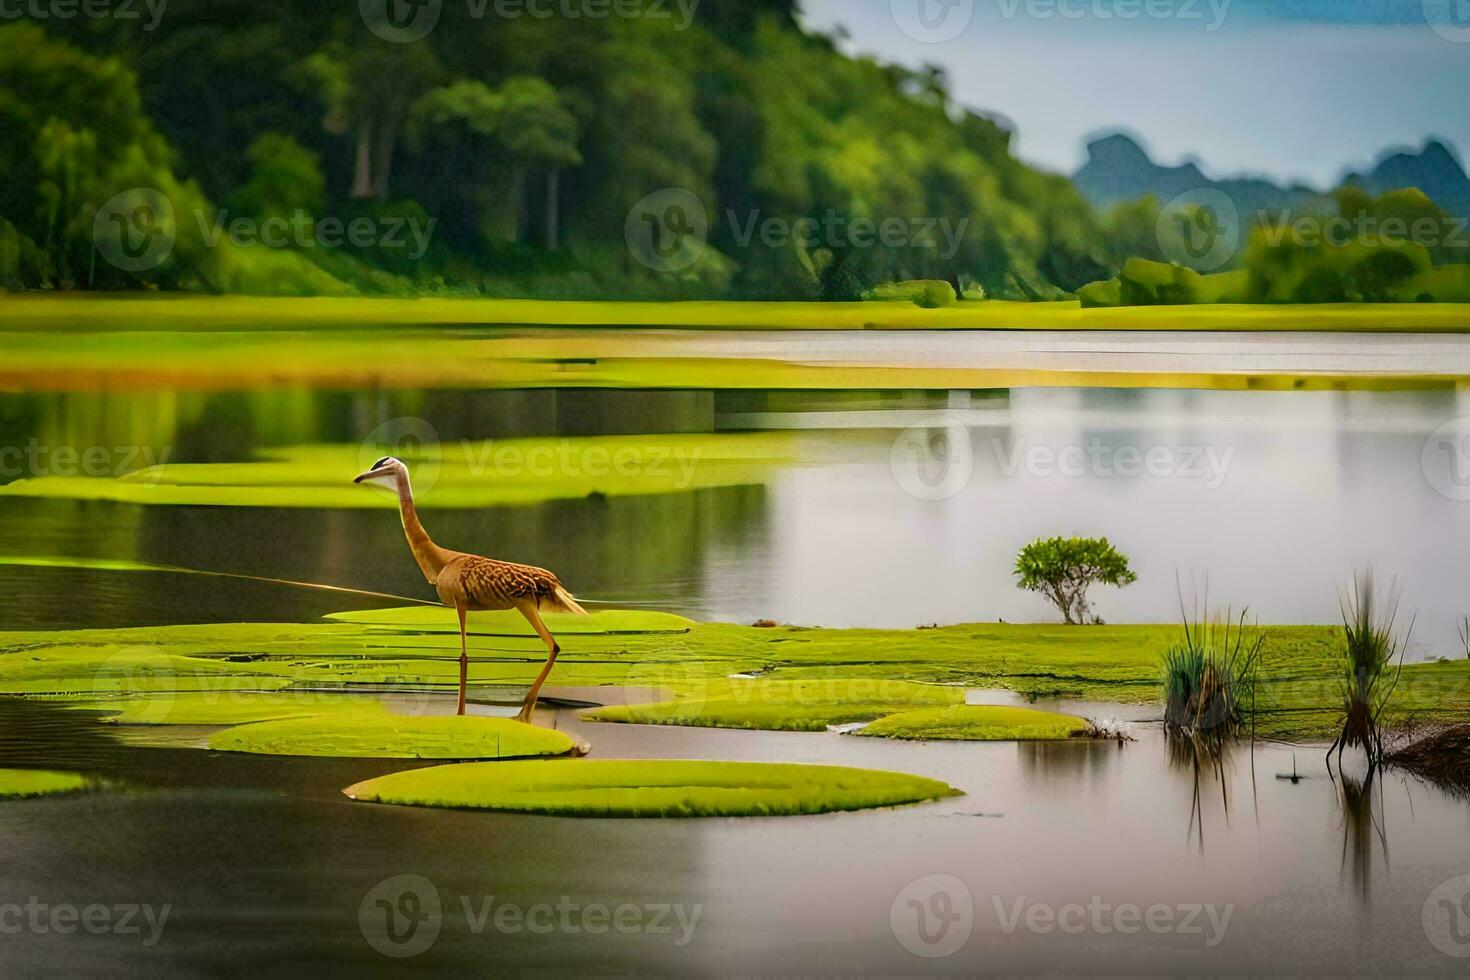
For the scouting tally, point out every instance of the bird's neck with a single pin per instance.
(429, 555)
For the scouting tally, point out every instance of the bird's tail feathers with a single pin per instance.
(561, 601)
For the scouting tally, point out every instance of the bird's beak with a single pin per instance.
(366, 476)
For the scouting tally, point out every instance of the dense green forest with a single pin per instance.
(302, 148)
(525, 142)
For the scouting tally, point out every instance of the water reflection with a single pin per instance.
(1363, 832)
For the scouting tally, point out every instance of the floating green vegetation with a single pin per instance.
(226, 707)
(797, 706)
(462, 475)
(382, 735)
(978, 722)
(20, 784)
(211, 314)
(616, 788)
(1298, 692)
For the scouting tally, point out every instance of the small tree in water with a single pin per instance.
(1062, 570)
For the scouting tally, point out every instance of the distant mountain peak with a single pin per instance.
(1119, 169)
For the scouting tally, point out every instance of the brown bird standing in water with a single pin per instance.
(469, 582)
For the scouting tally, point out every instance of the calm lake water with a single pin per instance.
(898, 509)
(266, 866)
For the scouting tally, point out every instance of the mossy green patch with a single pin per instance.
(19, 784)
(462, 475)
(637, 788)
(1297, 694)
(227, 707)
(980, 723)
(800, 706)
(381, 735)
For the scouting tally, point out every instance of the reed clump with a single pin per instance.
(1371, 645)
(1210, 676)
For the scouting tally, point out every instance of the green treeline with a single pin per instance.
(1398, 247)
(503, 157)
(711, 150)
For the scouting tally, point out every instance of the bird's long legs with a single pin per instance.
(552, 649)
(464, 659)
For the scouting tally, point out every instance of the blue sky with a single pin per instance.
(1295, 90)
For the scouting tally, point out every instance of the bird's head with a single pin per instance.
(386, 472)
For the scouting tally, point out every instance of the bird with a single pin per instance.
(470, 582)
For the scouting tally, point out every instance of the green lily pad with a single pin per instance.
(446, 475)
(976, 722)
(381, 735)
(20, 784)
(640, 788)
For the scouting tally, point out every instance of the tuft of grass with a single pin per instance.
(646, 788)
(979, 723)
(380, 735)
(1371, 644)
(1210, 677)
(22, 784)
